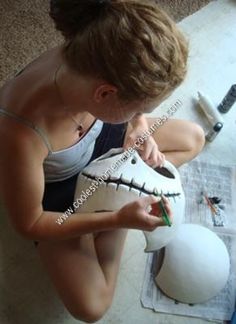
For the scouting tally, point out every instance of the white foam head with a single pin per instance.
(195, 266)
(128, 181)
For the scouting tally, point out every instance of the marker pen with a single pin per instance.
(228, 100)
(211, 135)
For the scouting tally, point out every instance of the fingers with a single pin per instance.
(146, 218)
(127, 144)
(163, 158)
(148, 200)
(166, 204)
(152, 219)
(152, 156)
(157, 211)
(159, 160)
(154, 222)
(147, 151)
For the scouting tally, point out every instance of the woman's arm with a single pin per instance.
(148, 150)
(22, 188)
(46, 227)
(139, 121)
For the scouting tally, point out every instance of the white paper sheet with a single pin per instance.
(215, 180)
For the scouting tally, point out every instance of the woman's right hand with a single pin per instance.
(135, 215)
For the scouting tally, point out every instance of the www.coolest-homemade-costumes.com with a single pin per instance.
(131, 179)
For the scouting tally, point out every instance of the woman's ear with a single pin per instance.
(105, 92)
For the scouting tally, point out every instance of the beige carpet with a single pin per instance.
(26, 29)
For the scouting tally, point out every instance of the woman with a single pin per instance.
(120, 59)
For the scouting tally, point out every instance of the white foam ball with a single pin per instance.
(196, 265)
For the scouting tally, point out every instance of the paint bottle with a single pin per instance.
(209, 109)
(228, 100)
(211, 135)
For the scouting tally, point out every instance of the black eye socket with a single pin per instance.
(134, 160)
(165, 172)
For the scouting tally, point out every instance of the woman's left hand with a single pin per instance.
(148, 151)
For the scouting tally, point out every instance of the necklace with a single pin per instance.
(79, 125)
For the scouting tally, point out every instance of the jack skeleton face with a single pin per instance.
(141, 187)
(123, 178)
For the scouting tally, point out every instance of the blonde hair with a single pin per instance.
(132, 44)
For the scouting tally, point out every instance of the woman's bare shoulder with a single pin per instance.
(15, 136)
(26, 97)
(21, 174)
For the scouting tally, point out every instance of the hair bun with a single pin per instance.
(70, 16)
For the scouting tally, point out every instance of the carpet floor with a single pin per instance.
(26, 30)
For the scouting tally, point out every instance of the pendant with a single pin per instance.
(80, 130)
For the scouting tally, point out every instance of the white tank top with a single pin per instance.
(63, 164)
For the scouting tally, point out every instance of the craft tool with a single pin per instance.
(211, 135)
(217, 217)
(228, 100)
(215, 200)
(164, 213)
(212, 207)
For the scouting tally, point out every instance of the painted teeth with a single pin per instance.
(137, 192)
(148, 188)
(142, 190)
(124, 179)
(136, 184)
(113, 178)
(112, 185)
(142, 194)
(123, 187)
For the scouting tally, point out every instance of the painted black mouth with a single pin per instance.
(131, 185)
